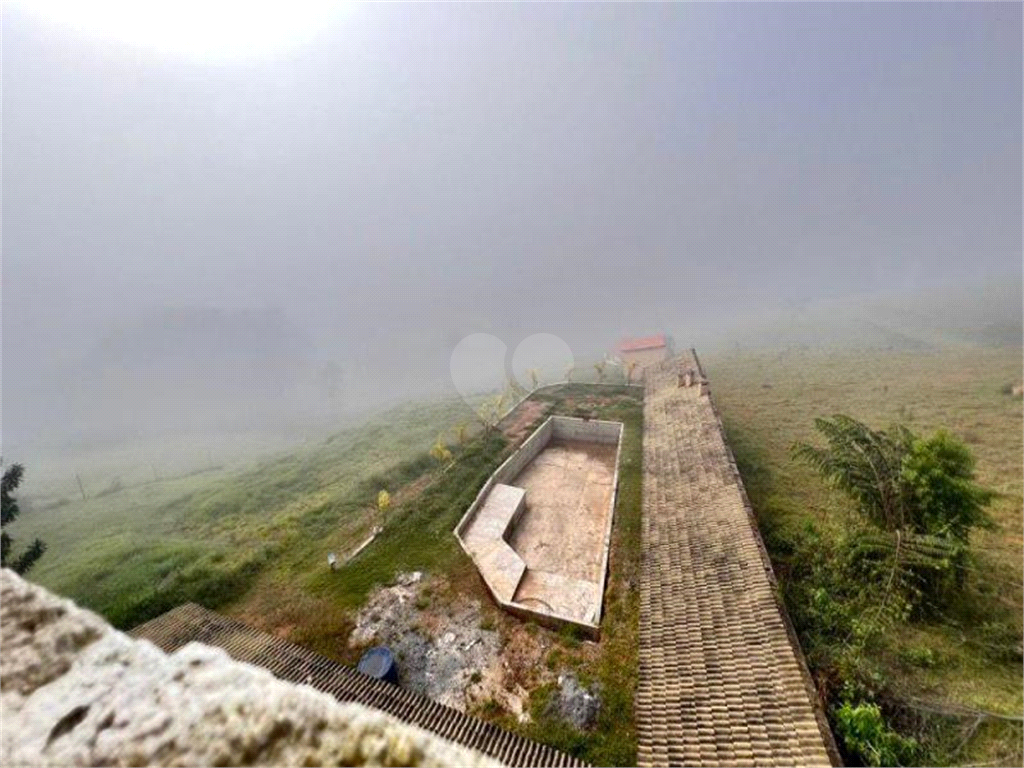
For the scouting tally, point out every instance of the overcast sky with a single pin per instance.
(410, 174)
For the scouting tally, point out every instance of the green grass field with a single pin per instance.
(965, 657)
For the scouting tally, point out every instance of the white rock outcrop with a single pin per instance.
(73, 691)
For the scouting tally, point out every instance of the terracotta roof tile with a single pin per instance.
(647, 342)
(718, 659)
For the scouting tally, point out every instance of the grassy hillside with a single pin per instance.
(134, 552)
(967, 656)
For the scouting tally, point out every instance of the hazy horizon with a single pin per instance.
(192, 234)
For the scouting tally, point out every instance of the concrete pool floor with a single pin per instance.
(561, 534)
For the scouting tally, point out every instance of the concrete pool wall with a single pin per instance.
(580, 451)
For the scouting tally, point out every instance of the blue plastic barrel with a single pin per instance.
(379, 662)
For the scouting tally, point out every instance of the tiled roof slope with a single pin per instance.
(191, 622)
(722, 678)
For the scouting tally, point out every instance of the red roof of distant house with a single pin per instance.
(647, 342)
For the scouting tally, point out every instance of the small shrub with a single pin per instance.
(919, 656)
(866, 737)
(476, 677)
(490, 710)
(487, 623)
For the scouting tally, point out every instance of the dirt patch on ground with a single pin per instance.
(451, 647)
(591, 402)
(516, 425)
(413, 489)
(523, 657)
(284, 631)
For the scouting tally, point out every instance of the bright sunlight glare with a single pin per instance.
(199, 28)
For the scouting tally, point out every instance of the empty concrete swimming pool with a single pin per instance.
(540, 528)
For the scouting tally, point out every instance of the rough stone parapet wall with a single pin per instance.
(73, 691)
(722, 678)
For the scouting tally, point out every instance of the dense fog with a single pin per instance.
(238, 234)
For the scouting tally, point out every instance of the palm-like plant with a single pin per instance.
(918, 494)
(864, 463)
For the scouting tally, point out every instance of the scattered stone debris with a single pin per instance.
(408, 579)
(448, 650)
(519, 670)
(578, 705)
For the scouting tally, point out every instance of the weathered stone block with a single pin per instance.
(73, 691)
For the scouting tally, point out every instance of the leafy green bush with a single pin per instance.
(899, 480)
(866, 737)
(919, 495)
(919, 656)
(937, 475)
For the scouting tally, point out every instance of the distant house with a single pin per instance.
(645, 351)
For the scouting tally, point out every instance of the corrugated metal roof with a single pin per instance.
(193, 623)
